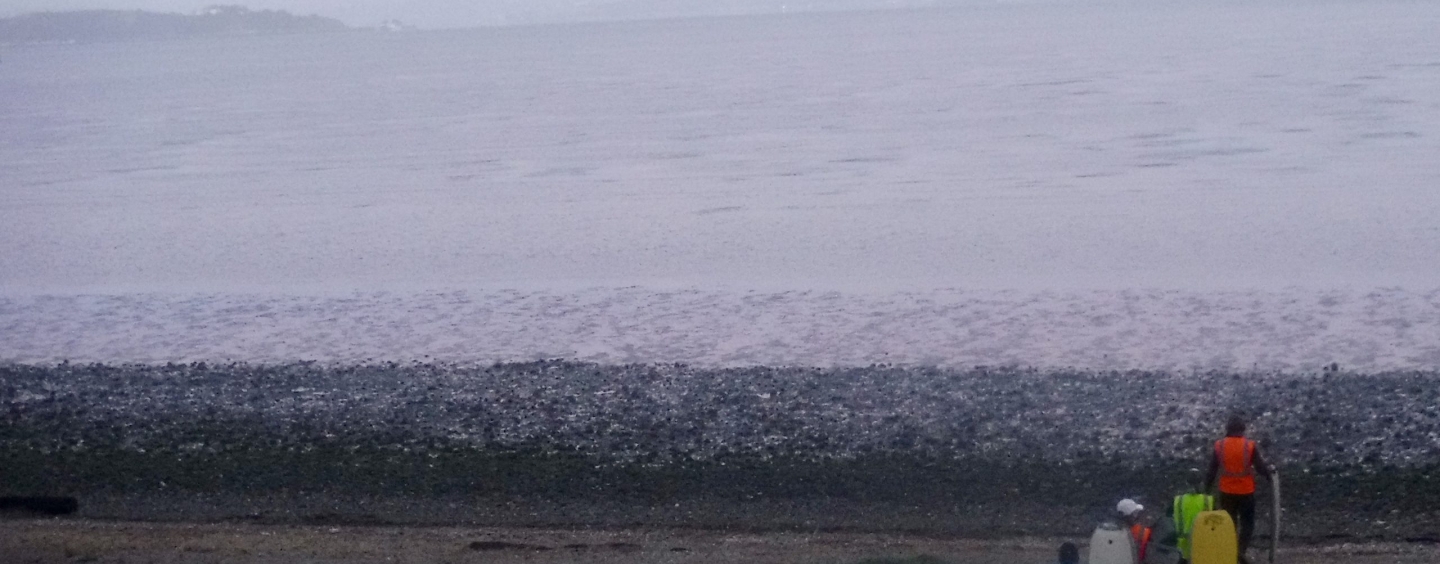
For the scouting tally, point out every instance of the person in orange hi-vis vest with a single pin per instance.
(1131, 514)
(1235, 460)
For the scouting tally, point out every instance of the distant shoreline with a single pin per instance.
(107, 26)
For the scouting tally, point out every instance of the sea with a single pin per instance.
(1239, 186)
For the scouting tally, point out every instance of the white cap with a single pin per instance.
(1128, 507)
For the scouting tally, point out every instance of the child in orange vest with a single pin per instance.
(1130, 514)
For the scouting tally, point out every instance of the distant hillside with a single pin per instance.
(93, 26)
(652, 9)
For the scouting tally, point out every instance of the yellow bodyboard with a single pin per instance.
(1213, 540)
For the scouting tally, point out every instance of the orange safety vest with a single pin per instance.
(1237, 475)
(1141, 534)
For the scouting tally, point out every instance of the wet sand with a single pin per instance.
(42, 541)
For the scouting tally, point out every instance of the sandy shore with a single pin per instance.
(61, 540)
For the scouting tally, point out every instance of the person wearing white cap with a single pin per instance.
(1130, 514)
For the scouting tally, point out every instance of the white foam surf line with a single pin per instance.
(1295, 330)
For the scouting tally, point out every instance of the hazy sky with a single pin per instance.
(463, 13)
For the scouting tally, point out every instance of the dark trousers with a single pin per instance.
(1242, 510)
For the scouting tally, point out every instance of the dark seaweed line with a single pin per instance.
(672, 412)
(916, 445)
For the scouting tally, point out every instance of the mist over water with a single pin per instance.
(450, 14)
